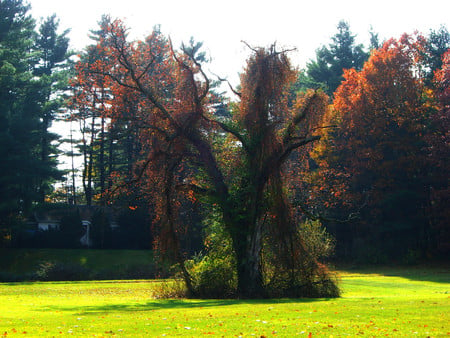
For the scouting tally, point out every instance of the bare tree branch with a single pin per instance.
(232, 131)
(229, 85)
(291, 147)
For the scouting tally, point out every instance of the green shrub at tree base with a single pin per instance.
(310, 278)
(214, 275)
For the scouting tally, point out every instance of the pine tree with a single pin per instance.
(26, 86)
(52, 69)
(19, 119)
(331, 61)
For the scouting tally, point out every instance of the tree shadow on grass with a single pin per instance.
(168, 304)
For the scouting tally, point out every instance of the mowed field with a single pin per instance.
(390, 302)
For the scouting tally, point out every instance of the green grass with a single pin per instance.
(20, 261)
(22, 264)
(394, 302)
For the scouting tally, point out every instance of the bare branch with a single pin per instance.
(291, 147)
(229, 85)
(147, 67)
(273, 49)
(233, 132)
(249, 47)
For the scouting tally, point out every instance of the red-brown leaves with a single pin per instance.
(264, 85)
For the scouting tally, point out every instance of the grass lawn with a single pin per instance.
(23, 261)
(395, 302)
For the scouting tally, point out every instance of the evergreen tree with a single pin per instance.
(331, 61)
(18, 110)
(26, 86)
(438, 42)
(52, 70)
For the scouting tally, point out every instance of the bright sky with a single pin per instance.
(222, 25)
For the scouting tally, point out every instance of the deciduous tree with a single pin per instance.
(378, 152)
(245, 182)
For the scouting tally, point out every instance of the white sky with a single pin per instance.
(221, 25)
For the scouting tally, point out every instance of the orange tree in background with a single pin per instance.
(233, 164)
(377, 158)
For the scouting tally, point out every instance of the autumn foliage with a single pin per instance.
(231, 164)
(371, 165)
(377, 161)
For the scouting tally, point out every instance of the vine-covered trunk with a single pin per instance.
(249, 273)
(247, 236)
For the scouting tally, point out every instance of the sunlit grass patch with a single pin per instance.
(372, 304)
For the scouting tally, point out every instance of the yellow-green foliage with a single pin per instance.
(406, 303)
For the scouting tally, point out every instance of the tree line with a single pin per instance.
(357, 140)
(33, 70)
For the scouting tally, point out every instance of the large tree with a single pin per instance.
(17, 115)
(29, 83)
(26, 167)
(244, 179)
(52, 69)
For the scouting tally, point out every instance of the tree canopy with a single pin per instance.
(29, 62)
(244, 177)
(379, 157)
(331, 61)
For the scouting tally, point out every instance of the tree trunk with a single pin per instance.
(101, 162)
(74, 198)
(110, 160)
(88, 191)
(44, 154)
(248, 255)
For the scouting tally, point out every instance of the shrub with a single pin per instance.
(308, 277)
(319, 243)
(172, 288)
(56, 271)
(213, 276)
(214, 273)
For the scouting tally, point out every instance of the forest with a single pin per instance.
(255, 187)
